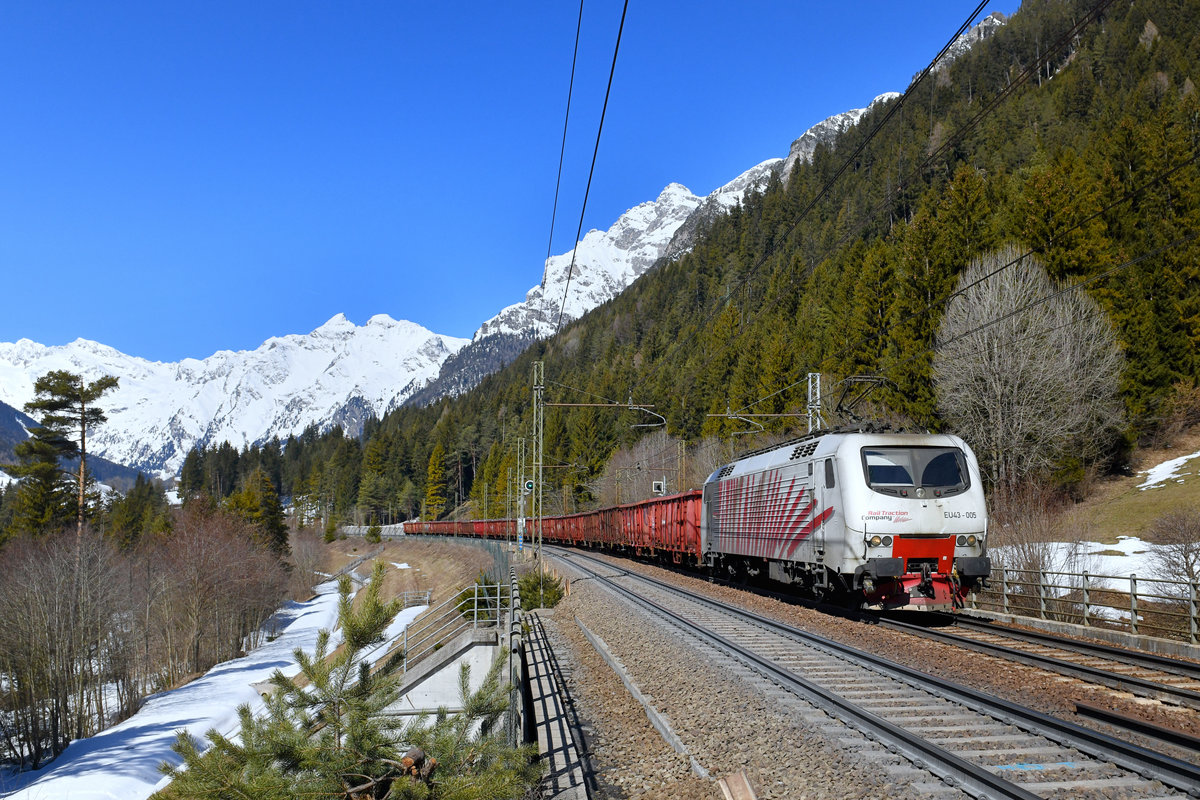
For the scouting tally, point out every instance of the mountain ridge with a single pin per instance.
(338, 374)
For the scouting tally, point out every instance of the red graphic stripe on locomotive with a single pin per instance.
(782, 515)
(812, 525)
(792, 519)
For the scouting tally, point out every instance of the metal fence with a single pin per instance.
(1145, 606)
(516, 665)
(477, 606)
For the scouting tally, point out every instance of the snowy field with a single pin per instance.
(1129, 556)
(122, 762)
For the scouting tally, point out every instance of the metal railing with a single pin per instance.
(478, 606)
(1140, 606)
(420, 598)
(516, 666)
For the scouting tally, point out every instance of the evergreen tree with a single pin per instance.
(373, 495)
(143, 510)
(258, 503)
(435, 483)
(66, 405)
(191, 475)
(42, 500)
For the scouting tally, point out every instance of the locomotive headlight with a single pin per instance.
(887, 541)
(961, 541)
(972, 541)
(875, 541)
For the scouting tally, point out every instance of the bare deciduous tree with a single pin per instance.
(1026, 371)
(1177, 556)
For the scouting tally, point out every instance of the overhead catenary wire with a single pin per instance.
(1041, 61)
(591, 171)
(1021, 79)
(566, 120)
(1182, 240)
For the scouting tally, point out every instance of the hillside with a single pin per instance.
(1123, 505)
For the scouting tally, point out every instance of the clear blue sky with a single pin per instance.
(183, 177)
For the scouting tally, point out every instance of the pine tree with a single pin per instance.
(373, 486)
(258, 503)
(42, 501)
(65, 403)
(435, 482)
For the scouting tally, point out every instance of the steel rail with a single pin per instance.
(1175, 666)
(953, 771)
(1141, 761)
(1113, 680)
(1160, 732)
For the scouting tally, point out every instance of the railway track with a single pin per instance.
(984, 746)
(1142, 674)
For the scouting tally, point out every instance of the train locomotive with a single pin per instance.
(885, 520)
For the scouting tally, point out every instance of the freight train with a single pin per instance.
(884, 520)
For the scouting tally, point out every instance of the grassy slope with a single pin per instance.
(1119, 508)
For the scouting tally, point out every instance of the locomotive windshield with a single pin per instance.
(900, 471)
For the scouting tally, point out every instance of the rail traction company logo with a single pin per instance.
(894, 517)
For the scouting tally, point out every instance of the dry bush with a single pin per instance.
(630, 472)
(1021, 537)
(307, 559)
(61, 612)
(1039, 386)
(1181, 413)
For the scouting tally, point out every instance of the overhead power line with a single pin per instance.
(1020, 80)
(612, 71)
(1132, 194)
(566, 119)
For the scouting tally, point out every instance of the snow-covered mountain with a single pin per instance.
(986, 28)
(339, 374)
(826, 133)
(605, 262)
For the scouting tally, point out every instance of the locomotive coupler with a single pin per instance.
(925, 587)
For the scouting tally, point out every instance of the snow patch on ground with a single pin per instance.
(1158, 476)
(1108, 565)
(1129, 555)
(400, 566)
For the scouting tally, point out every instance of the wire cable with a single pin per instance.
(1020, 80)
(1132, 194)
(604, 110)
(566, 118)
(1190, 237)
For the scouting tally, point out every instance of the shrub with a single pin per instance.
(539, 590)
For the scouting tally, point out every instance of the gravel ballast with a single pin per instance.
(732, 720)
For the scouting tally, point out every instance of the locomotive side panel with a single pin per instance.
(776, 514)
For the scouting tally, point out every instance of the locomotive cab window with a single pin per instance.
(902, 471)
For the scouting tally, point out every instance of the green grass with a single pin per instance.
(1119, 508)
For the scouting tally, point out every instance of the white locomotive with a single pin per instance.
(891, 520)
